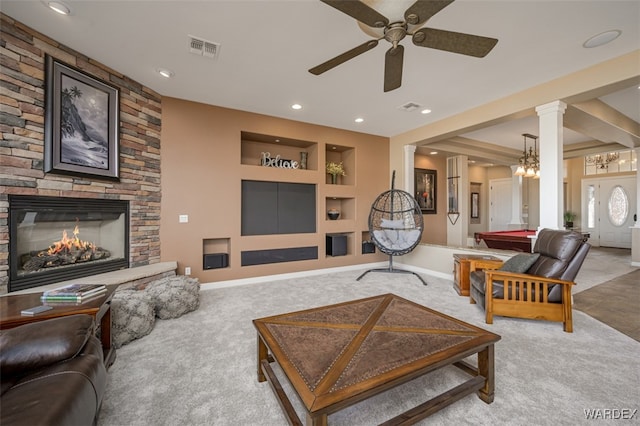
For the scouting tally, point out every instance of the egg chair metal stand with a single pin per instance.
(395, 226)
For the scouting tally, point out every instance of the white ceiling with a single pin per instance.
(267, 46)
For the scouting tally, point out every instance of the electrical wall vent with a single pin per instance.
(199, 46)
(409, 106)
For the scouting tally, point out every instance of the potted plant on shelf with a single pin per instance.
(569, 217)
(335, 170)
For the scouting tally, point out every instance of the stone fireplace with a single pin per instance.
(54, 239)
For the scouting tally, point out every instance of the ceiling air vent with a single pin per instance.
(199, 46)
(409, 106)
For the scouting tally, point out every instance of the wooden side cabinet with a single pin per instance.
(461, 270)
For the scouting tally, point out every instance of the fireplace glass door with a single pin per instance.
(56, 239)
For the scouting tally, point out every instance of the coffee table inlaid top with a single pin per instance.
(337, 352)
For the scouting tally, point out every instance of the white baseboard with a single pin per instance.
(267, 278)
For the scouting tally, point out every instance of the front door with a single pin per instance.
(608, 209)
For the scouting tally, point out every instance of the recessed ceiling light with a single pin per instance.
(602, 39)
(425, 111)
(296, 106)
(165, 72)
(433, 152)
(58, 6)
(359, 120)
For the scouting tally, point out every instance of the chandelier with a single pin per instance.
(529, 163)
(602, 161)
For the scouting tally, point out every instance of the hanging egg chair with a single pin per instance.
(395, 225)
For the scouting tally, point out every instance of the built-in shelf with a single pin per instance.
(345, 155)
(339, 244)
(368, 247)
(346, 206)
(342, 236)
(254, 146)
(215, 253)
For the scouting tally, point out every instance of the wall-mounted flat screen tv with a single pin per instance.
(278, 208)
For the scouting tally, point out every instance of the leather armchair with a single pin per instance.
(52, 372)
(543, 291)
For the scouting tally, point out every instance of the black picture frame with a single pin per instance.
(426, 190)
(475, 205)
(82, 125)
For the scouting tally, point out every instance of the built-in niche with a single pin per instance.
(281, 152)
(345, 155)
(215, 253)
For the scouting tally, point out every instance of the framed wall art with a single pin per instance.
(426, 190)
(475, 205)
(81, 123)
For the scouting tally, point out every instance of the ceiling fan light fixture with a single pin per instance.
(400, 18)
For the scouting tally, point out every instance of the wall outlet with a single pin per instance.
(183, 218)
(187, 270)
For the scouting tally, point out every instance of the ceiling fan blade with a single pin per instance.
(360, 12)
(419, 12)
(450, 41)
(393, 61)
(350, 54)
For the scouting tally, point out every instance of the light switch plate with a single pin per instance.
(183, 218)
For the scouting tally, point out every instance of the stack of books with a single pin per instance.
(74, 293)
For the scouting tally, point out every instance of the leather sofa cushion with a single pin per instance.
(39, 344)
(556, 249)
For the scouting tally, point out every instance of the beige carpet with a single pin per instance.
(200, 369)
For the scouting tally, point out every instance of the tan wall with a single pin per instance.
(202, 174)
(435, 225)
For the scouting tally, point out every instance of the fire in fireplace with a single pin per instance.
(65, 251)
(43, 251)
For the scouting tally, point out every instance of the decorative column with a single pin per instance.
(409, 165)
(551, 156)
(516, 200)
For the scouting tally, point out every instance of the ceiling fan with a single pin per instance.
(372, 22)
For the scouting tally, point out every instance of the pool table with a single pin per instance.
(518, 240)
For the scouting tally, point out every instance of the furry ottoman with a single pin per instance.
(132, 316)
(134, 311)
(174, 296)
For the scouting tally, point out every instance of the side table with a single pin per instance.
(99, 308)
(461, 270)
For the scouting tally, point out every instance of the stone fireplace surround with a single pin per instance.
(22, 135)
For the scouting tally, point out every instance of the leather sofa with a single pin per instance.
(52, 373)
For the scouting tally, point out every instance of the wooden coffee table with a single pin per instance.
(99, 308)
(335, 356)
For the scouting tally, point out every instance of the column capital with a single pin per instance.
(410, 149)
(551, 107)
